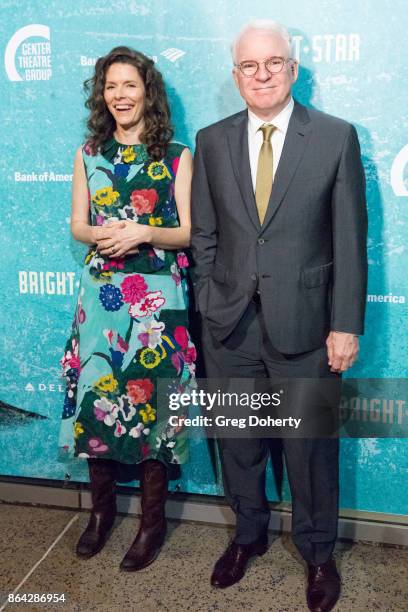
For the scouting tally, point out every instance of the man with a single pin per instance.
(279, 241)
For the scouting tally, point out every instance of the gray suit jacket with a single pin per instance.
(308, 260)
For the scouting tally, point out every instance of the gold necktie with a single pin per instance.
(264, 173)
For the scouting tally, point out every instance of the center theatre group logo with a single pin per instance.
(29, 61)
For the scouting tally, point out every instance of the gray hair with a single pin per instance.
(263, 25)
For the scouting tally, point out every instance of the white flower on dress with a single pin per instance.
(150, 333)
(126, 408)
(105, 411)
(96, 262)
(128, 213)
(135, 432)
(148, 305)
(120, 429)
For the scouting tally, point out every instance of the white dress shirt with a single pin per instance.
(255, 137)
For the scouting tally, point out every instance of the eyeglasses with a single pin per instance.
(273, 65)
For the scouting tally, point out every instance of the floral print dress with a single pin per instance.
(131, 324)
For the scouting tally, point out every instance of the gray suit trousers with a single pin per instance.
(312, 464)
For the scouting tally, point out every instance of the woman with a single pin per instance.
(131, 203)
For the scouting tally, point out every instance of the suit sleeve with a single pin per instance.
(203, 227)
(349, 222)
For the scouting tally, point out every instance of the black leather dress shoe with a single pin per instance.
(323, 588)
(230, 568)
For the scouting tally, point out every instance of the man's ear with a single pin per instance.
(294, 68)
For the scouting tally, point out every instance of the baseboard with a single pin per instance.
(354, 525)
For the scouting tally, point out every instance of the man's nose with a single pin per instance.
(263, 74)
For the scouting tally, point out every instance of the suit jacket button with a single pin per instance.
(254, 277)
(261, 241)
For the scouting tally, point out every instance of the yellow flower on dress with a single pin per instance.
(158, 171)
(105, 196)
(148, 414)
(89, 256)
(128, 155)
(155, 220)
(106, 384)
(149, 358)
(78, 429)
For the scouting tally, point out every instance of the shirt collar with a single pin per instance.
(281, 121)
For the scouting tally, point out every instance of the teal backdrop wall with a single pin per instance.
(353, 65)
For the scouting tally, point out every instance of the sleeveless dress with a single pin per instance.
(131, 323)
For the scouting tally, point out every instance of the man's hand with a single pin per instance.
(342, 350)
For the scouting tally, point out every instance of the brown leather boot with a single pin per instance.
(152, 530)
(102, 477)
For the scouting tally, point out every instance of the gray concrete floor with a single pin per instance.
(37, 556)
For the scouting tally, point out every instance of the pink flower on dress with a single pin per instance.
(97, 446)
(70, 359)
(75, 362)
(99, 414)
(148, 305)
(188, 354)
(181, 336)
(109, 334)
(133, 288)
(175, 165)
(182, 260)
(80, 313)
(115, 340)
(144, 200)
(117, 264)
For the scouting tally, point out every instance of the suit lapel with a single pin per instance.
(237, 135)
(294, 148)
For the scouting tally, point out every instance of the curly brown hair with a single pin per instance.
(158, 130)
